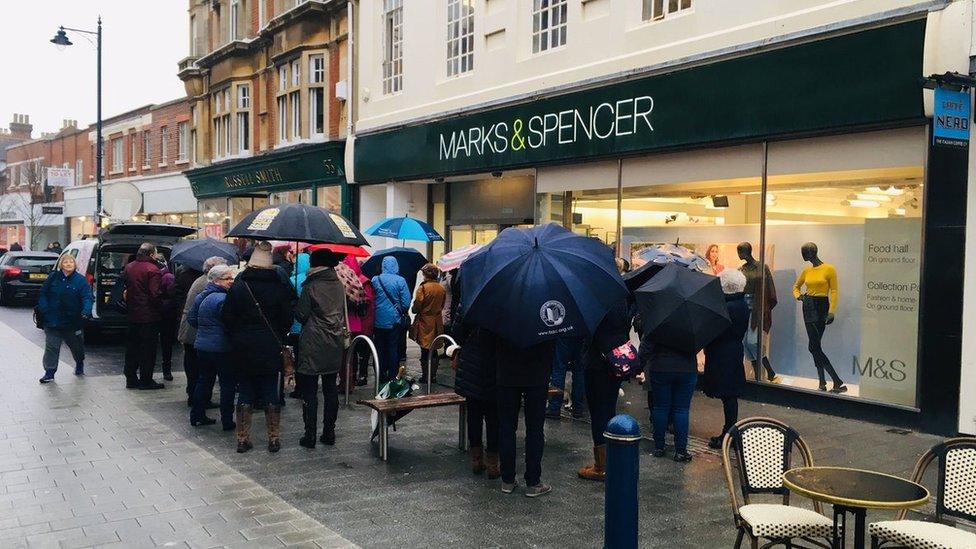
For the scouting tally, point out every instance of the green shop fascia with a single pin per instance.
(307, 166)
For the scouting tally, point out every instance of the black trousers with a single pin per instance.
(330, 406)
(167, 340)
(483, 413)
(815, 310)
(602, 391)
(509, 403)
(140, 352)
(730, 409)
(191, 368)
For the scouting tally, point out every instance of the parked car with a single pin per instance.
(22, 274)
(102, 259)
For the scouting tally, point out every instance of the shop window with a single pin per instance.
(330, 198)
(392, 46)
(656, 10)
(460, 37)
(548, 24)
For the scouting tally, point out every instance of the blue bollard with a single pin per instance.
(623, 472)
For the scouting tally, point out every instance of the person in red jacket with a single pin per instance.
(144, 308)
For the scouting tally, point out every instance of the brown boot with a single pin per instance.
(491, 465)
(477, 461)
(272, 414)
(243, 413)
(596, 471)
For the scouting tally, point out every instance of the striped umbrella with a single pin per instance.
(453, 260)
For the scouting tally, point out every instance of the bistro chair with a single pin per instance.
(955, 498)
(764, 450)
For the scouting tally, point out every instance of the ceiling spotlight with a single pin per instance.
(857, 203)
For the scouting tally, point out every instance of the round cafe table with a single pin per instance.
(854, 491)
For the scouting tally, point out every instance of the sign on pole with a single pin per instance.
(60, 177)
(950, 124)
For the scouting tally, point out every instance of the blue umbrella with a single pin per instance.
(542, 283)
(409, 260)
(404, 228)
(193, 253)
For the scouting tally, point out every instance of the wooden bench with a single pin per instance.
(385, 407)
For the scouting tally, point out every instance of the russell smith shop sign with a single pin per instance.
(811, 87)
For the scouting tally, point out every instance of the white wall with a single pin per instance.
(605, 37)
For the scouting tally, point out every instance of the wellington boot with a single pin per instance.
(243, 413)
(477, 460)
(597, 471)
(272, 415)
(309, 418)
(492, 465)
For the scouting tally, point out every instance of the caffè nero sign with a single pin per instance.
(620, 118)
(746, 98)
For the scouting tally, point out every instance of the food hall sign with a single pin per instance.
(566, 127)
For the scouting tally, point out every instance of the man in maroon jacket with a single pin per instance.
(144, 306)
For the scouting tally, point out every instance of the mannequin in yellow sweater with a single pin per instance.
(819, 305)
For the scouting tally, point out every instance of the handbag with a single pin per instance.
(404, 321)
(287, 351)
(38, 317)
(623, 361)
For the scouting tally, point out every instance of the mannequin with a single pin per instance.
(753, 286)
(819, 304)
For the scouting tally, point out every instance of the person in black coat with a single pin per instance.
(258, 312)
(724, 371)
(475, 381)
(522, 374)
(602, 389)
(671, 376)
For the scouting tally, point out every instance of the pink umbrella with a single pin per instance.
(453, 260)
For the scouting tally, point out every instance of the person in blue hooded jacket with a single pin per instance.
(212, 347)
(392, 305)
(66, 300)
(296, 279)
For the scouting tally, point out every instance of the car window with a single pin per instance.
(113, 262)
(28, 261)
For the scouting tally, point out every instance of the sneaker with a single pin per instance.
(80, 369)
(48, 376)
(682, 457)
(838, 389)
(537, 490)
(657, 453)
(509, 487)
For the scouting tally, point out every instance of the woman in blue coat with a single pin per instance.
(212, 347)
(392, 304)
(66, 300)
(725, 376)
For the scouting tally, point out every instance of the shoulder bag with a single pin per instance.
(404, 320)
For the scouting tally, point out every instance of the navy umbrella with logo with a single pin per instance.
(542, 283)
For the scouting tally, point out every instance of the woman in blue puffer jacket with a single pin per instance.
(212, 347)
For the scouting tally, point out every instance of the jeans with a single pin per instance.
(167, 339)
(602, 391)
(483, 413)
(386, 347)
(263, 387)
(509, 402)
(672, 398)
(568, 359)
(815, 311)
(140, 352)
(214, 366)
(53, 337)
(330, 405)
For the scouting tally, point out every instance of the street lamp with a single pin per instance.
(61, 41)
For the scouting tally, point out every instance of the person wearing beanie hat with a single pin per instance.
(257, 313)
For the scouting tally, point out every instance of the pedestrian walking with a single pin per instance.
(212, 348)
(569, 360)
(428, 306)
(321, 310)
(475, 381)
(392, 304)
(65, 301)
(602, 387)
(144, 306)
(724, 376)
(670, 375)
(257, 314)
(362, 314)
(522, 374)
(169, 324)
(187, 334)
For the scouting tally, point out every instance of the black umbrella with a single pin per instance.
(682, 308)
(298, 223)
(639, 276)
(409, 260)
(193, 253)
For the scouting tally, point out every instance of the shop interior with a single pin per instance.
(216, 216)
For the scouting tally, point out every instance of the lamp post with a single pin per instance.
(61, 40)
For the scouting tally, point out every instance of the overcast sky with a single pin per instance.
(143, 40)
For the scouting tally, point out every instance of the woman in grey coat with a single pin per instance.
(321, 311)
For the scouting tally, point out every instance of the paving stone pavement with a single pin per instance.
(82, 464)
(166, 478)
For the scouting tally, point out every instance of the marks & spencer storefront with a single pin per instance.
(309, 174)
(745, 160)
